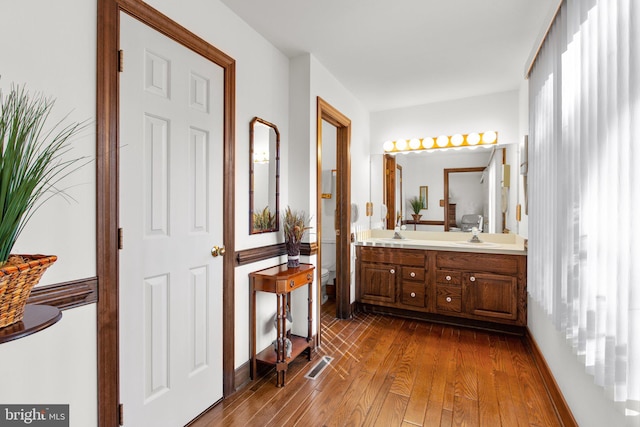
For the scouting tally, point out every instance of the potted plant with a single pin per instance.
(294, 225)
(264, 220)
(416, 204)
(32, 162)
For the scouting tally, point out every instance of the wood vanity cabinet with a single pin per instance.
(392, 278)
(474, 286)
(491, 286)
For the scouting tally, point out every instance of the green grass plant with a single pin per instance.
(33, 160)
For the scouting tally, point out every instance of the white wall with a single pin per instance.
(53, 51)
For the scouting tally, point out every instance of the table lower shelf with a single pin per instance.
(298, 346)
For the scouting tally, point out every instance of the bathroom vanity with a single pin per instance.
(448, 280)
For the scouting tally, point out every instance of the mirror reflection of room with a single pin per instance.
(471, 180)
(264, 171)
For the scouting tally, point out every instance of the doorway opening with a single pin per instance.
(328, 119)
(393, 196)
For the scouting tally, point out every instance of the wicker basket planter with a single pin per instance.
(16, 282)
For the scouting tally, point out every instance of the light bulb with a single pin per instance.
(473, 139)
(489, 137)
(442, 141)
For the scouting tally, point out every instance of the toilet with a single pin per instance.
(324, 279)
(327, 272)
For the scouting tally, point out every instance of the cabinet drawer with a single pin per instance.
(488, 263)
(448, 277)
(407, 257)
(413, 273)
(413, 294)
(448, 298)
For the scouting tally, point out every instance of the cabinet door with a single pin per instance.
(490, 295)
(378, 283)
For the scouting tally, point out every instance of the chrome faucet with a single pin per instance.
(474, 237)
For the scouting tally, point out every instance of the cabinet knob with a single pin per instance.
(392, 271)
(448, 277)
(412, 274)
(448, 299)
(473, 279)
(292, 283)
(413, 294)
(308, 276)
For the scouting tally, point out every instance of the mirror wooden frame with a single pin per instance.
(276, 227)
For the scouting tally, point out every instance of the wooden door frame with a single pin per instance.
(342, 123)
(107, 204)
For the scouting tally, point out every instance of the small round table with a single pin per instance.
(36, 318)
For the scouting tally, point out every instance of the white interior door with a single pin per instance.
(171, 186)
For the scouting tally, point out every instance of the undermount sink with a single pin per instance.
(391, 239)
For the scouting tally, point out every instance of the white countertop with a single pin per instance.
(509, 244)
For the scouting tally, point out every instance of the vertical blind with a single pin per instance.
(584, 206)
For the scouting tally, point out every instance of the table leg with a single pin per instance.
(281, 353)
(252, 322)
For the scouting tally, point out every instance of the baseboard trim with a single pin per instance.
(243, 375)
(559, 403)
(66, 295)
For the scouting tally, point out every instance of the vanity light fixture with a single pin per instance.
(443, 141)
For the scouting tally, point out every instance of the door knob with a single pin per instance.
(216, 250)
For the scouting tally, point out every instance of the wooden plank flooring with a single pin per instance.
(389, 371)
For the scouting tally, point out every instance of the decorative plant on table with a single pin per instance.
(416, 204)
(32, 162)
(294, 225)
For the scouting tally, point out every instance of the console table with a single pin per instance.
(281, 280)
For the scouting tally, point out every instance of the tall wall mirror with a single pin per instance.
(264, 179)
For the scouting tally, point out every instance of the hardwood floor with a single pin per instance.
(389, 371)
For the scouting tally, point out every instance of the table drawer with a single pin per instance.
(295, 282)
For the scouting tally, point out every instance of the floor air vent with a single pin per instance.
(319, 367)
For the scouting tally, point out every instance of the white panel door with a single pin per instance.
(171, 213)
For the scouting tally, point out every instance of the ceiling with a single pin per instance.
(399, 53)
